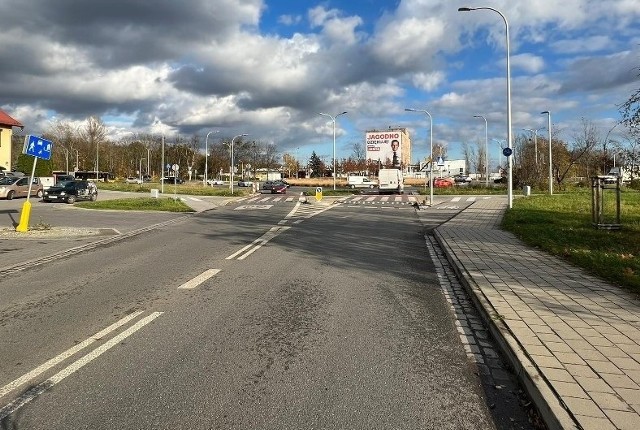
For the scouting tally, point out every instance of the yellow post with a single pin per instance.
(24, 217)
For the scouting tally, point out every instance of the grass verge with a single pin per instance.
(561, 225)
(138, 204)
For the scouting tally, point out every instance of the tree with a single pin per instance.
(316, 165)
(630, 109)
(94, 134)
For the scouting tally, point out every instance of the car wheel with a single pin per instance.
(39, 193)
(10, 195)
(352, 187)
(370, 186)
(71, 199)
(94, 197)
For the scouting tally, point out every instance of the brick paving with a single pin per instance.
(573, 338)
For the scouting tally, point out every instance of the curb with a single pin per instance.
(550, 407)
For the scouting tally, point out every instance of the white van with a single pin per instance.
(391, 181)
(360, 182)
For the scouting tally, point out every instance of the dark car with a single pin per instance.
(275, 187)
(172, 180)
(71, 192)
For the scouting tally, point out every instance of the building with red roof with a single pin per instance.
(6, 131)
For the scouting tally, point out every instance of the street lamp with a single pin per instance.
(430, 151)
(509, 138)
(548, 113)
(333, 119)
(206, 155)
(140, 171)
(486, 148)
(232, 162)
(162, 167)
(535, 139)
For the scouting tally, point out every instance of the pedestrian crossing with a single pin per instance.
(391, 200)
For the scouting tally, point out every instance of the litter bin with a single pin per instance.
(155, 193)
(526, 190)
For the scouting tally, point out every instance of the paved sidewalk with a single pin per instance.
(573, 339)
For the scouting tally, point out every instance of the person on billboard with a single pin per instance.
(395, 146)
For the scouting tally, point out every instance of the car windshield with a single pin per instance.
(7, 180)
(66, 184)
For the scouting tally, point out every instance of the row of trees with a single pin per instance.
(88, 148)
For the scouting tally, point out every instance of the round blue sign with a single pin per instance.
(507, 152)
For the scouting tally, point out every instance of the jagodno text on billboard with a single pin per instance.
(385, 147)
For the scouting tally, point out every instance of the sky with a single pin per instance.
(269, 67)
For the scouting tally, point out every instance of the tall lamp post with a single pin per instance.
(486, 149)
(509, 137)
(333, 119)
(430, 151)
(535, 139)
(232, 161)
(206, 155)
(550, 153)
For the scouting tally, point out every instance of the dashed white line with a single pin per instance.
(191, 284)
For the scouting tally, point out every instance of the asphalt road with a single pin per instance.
(241, 317)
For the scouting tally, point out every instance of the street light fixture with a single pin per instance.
(535, 139)
(509, 137)
(548, 113)
(206, 155)
(333, 119)
(430, 151)
(232, 161)
(486, 149)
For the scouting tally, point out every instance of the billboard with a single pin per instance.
(385, 146)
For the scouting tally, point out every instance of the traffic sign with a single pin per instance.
(175, 167)
(319, 193)
(507, 152)
(37, 147)
(440, 162)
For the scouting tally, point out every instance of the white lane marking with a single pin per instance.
(252, 199)
(456, 199)
(74, 367)
(289, 199)
(246, 251)
(277, 199)
(253, 207)
(412, 199)
(66, 354)
(292, 211)
(355, 199)
(191, 284)
(384, 199)
(282, 222)
(471, 199)
(398, 199)
(264, 199)
(370, 199)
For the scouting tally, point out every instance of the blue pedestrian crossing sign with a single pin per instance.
(37, 147)
(440, 162)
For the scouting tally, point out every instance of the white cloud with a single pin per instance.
(528, 62)
(582, 45)
(428, 81)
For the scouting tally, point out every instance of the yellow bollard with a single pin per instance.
(24, 217)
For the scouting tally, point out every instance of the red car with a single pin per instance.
(275, 187)
(443, 182)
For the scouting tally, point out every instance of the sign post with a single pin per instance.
(37, 147)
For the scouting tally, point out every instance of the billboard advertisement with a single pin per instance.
(384, 146)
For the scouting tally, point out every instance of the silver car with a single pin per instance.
(18, 186)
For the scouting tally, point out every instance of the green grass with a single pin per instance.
(191, 188)
(562, 225)
(138, 204)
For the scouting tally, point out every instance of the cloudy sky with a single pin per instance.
(268, 67)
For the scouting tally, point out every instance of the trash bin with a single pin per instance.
(526, 190)
(155, 193)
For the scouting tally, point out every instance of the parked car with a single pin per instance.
(462, 179)
(213, 182)
(243, 183)
(443, 182)
(18, 186)
(172, 180)
(275, 187)
(133, 180)
(71, 192)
